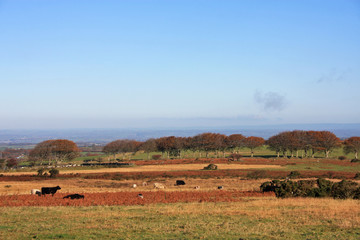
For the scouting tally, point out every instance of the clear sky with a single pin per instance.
(99, 64)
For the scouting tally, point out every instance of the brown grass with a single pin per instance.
(102, 185)
(250, 218)
(306, 211)
(156, 168)
(129, 198)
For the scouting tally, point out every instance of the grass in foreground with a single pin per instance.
(255, 218)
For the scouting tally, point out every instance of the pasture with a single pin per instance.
(112, 209)
(252, 218)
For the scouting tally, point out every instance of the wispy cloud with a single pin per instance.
(270, 101)
(334, 76)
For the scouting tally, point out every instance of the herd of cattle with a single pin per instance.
(52, 190)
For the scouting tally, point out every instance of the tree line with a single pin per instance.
(287, 144)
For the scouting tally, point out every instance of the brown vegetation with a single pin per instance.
(128, 198)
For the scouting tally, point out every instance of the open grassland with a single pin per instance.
(78, 185)
(103, 185)
(247, 168)
(252, 218)
(112, 209)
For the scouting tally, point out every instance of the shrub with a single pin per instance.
(211, 167)
(355, 160)
(323, 183)
(357, 193)
(310, 188)
(270, 186)
(294, 189)
(294, 174)
(341, 157)
(323, 189)
(267, 187)
(344, 189)
(286, 189)
(305, 188)
(54, 172)
(357, 176)
(156, 157)
(40, 171)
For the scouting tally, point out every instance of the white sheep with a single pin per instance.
(159, 186)
(35, 191)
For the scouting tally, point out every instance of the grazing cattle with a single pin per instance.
(140, 195)
(144, 184)
(49, 190)
(159, 186)
(197, 187)
(220, 187)
(179, 182)
(35, 191)
(134, 186)
(74, 196)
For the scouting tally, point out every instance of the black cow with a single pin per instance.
(49, 190)
(74, 196)
(179, 182)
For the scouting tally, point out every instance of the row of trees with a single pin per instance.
(285, 143)
(174, 146)
(311, 142)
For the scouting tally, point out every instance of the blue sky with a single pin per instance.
(118, 64)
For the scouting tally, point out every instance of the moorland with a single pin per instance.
(112, 208)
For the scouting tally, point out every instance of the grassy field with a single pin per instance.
(253, 218)
(177, 212)
(101, 185)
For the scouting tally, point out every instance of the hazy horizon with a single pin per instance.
(104, 135)
(166, 123)
(129, 64)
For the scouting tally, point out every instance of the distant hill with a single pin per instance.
(26, 136)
